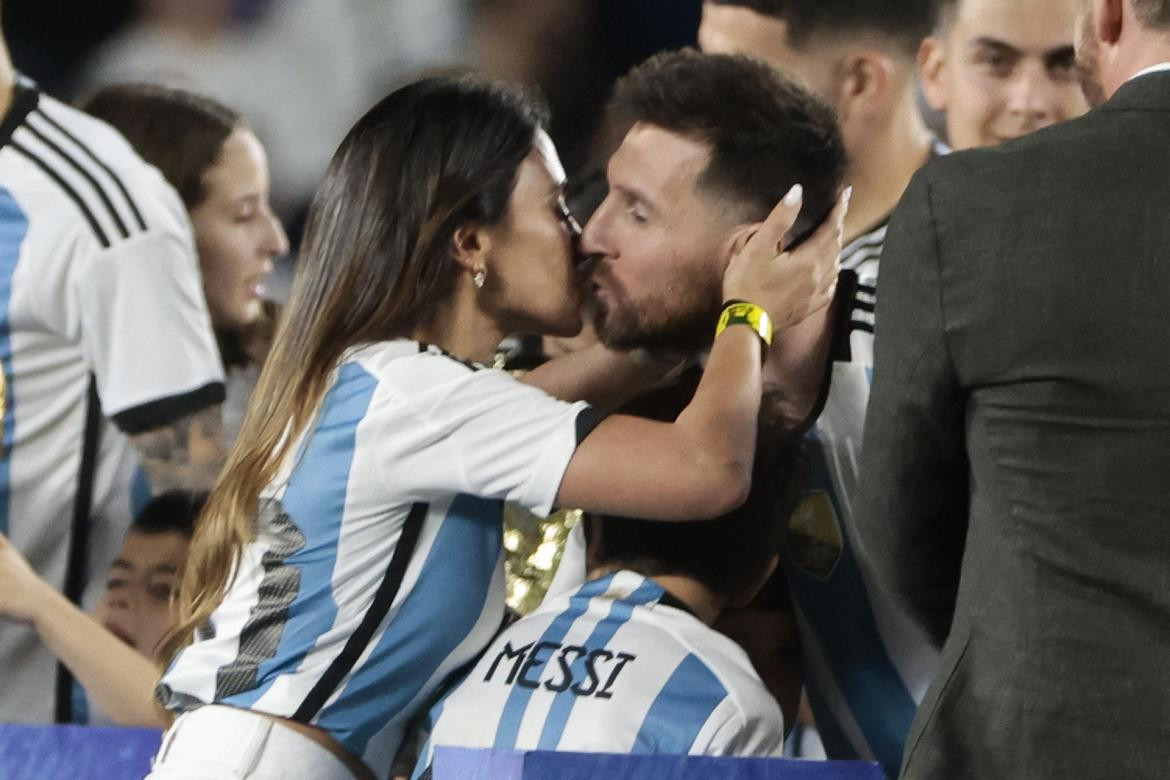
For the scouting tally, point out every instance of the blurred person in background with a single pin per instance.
(1000, 69)
(858, 57)
(628, 662)
(214, 160)
(574, 50)
(1018, 437)
(302, 71)
(143, 581)
(52, 41)
(112, 655)
(868, 666)
(108, 355)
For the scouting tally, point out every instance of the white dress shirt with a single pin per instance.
(1159, 68)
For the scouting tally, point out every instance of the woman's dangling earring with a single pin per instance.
(479, 278)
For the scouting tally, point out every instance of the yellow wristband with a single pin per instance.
(741, 313)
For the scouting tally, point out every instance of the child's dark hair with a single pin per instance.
(727, 554)
(175, 510)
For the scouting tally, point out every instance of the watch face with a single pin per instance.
(749, 314)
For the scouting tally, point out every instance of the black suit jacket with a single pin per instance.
(1016, 493)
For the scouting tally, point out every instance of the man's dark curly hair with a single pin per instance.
(765, 132)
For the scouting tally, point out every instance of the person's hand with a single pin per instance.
(790, 286)
(21, 590)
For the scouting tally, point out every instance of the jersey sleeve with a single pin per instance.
(499, 439)
(146, 331)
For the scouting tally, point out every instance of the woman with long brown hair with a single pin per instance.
(217, 164)
(350, 557)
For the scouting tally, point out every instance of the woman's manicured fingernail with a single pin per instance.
(794, 196)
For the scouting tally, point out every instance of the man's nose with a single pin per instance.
(1033, 94)
(594, 238)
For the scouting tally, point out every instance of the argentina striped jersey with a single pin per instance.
(378, 565)
(867, 664)
(98, 276)
(616, 666)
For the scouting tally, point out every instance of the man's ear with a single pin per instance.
(931, 64)
(864, 81)
(745, 596)
(738, 240)
(1109, 15)
(470, 246)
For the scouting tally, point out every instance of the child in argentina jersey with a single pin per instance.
(371, 532)
(629, 662)
(617, 666)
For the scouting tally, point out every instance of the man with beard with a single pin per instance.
(712, 141)
(1001, 69)
(1019, 430)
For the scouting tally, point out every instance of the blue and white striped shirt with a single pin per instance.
(378, 565)
(611, 667)
(867, 664)
(98, 277)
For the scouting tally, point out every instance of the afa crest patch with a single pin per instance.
(813, 541)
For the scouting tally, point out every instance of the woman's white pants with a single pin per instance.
(232, 744)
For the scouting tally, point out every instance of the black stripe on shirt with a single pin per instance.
(364, 633)
(278, 590)
(587, 420)
(866, 327)
(860, 305)
(97, 161)
(67, 189)
(670, 600)
(73, 163)
(164, 411)
(24, 100)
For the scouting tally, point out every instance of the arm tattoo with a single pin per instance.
(187, 454)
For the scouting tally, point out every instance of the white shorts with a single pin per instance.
(232, 744)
